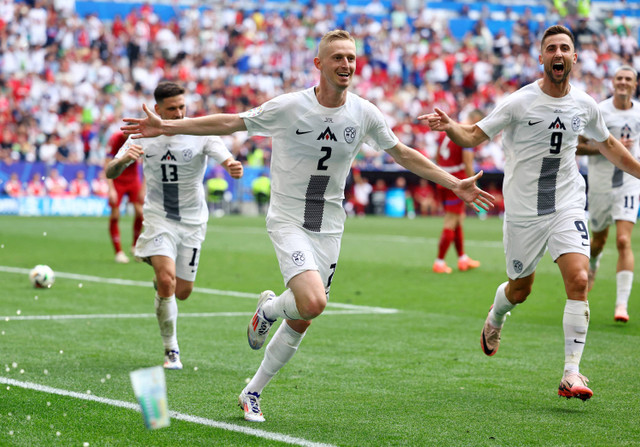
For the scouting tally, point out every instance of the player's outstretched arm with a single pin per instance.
(466, 189)
(464, 135)
(115, 167)
(619, 155)
(233, 167)
(153, 126)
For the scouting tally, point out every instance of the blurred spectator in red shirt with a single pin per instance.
(100, 185)
(35, 187)
(56, 184)
(425, 197)
(359, 200)
(13, 187)
(79, 186)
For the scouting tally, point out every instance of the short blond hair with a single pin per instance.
(331, 36)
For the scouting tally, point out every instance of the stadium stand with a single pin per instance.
(70, 70)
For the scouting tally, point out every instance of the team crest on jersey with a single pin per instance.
(575, 123)
(350, 134)
(187, 155)
(256, 111)
(557, 124)
(517, 266)
(625, 131)
(298, 258)
(327, 135)
(168, 157)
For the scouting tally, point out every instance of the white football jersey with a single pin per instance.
(540, 139)
(312, 150)
(603, 175)
(174, 169)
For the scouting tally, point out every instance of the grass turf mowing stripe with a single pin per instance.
(182, 315)
(366, 237)
(174, 415)
(127, 282)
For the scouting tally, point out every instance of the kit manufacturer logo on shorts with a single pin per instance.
(350, 134)
(298, 258)
(187, 155)
(517, 266)
(157, 241)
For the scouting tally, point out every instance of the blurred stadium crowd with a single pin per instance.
(66, 80)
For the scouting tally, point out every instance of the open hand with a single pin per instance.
(151, 126)
(473, 196)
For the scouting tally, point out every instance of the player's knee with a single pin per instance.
(578, 283)
(623, 242)
(166, 281)
(312, 307)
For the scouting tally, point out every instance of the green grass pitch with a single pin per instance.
(394, 361)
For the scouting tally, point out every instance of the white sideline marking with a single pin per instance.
(350, 308)
(174, 414)
(182, 315)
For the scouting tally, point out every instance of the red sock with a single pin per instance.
(445, 241)
(459, 240)
(115, 234)
(137, 229)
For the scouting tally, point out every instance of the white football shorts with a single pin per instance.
(178, 241)
(299, 250)
(525, 242)
(606, 208)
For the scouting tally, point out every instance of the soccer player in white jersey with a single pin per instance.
(544, 192)
(175, 208)
(316, 134)
(613, 195)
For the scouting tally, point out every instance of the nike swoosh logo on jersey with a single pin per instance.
(149, 156)
(298, 132)
(533, 124)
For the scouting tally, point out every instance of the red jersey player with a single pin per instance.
(129, 184)
(457, 161)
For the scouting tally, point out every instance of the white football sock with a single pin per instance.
(167, 314)
(279, 351)
(501, 305)
(575, 323)
(283, 306)
(624, 280)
